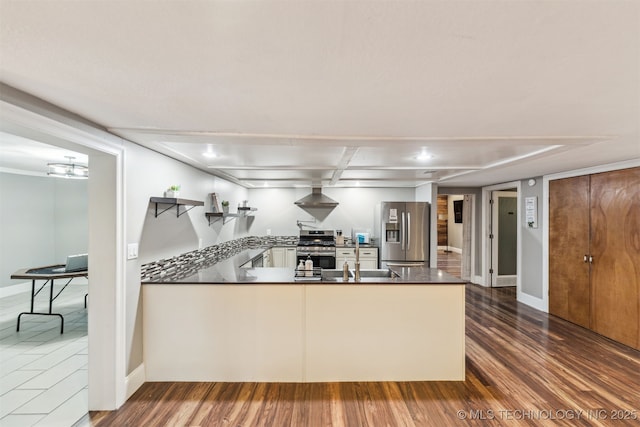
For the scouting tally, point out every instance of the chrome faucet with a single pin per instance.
(301, 223)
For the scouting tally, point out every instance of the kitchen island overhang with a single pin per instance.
(267, 328)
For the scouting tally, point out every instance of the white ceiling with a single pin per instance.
(21, 155)
(343, 92)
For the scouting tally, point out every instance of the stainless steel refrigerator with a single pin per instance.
(404, 233)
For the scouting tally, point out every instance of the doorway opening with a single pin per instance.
(44, 356)
(502, 257)
(455, 235)
(503, 238)
(32, 118)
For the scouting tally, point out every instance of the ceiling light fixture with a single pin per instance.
(423, 156)
(68, 170)
(209, 154)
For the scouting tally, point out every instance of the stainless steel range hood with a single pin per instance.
(316, 200)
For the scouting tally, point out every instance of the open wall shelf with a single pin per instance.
(242, 212)
(172, 201)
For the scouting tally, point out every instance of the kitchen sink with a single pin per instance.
(383, 272)
(334, 274)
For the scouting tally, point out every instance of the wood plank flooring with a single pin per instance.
(451, 262)
(524, 367)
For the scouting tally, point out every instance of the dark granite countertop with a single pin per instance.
(228, 271)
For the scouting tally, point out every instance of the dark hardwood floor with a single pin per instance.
(523, 367)
(450, 262)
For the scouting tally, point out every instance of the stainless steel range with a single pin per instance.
(319, 245)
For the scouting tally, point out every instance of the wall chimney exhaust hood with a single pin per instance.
(316, 200)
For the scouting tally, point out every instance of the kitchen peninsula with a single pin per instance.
(232, 324)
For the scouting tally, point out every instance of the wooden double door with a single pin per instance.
(594, 253)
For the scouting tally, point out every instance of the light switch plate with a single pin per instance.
(132, 251)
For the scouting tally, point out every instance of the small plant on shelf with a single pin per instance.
(173, 191)
(225, 206)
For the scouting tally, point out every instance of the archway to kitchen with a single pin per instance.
(34, 119)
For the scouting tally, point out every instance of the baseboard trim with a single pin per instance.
(450, 249)
(534, 302)
(135, 380)
(478, 280)
(7, 291)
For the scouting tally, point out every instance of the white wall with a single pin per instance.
(277, 212)
(71, 217)
(42, 220)
(149, 174)
(531, 242)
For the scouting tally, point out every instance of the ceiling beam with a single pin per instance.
(347, 155)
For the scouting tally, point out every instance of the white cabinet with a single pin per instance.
(277, 257)
(368, 257)
(283, 257)
(345, 254)
(290, 257)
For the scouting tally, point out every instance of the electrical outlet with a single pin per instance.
(132, 251)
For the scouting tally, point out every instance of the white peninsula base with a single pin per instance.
(303, 332)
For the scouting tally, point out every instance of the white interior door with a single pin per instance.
(504, 238)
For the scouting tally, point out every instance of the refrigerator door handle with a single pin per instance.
(402, 232)
(408, 230)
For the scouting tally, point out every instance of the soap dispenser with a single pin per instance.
(300, 268)
(345, 272)
(308, 267)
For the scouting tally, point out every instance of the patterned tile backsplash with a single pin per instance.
(206, 257)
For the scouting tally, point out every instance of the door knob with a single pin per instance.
(585, 258)
(590, 259)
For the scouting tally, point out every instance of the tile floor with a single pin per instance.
(43, 374)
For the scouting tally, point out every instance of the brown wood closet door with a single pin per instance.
(615, 246)
(569, 296)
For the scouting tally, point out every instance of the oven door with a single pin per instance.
(323, 261)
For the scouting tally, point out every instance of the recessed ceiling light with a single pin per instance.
(423, 156)
(209, 154)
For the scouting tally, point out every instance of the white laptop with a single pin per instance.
(74, 263)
